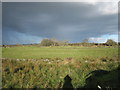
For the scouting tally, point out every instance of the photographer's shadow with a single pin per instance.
(67, 82)
(103, 79)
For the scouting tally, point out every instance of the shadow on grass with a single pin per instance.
(98, 79)
(67, 82)
(103, 79)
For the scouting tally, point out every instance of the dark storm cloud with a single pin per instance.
(66, 21)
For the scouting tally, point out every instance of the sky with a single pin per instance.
(30, 22)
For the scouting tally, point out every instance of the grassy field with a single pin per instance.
(58, 52)
(46, 67)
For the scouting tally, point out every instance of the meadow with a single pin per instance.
(47, 67)
(62, 52)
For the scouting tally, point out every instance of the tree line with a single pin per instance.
(55, 42)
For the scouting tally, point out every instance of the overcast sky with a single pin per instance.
(25, 22)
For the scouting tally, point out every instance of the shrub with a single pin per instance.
(47, 42)
(53, 42)
(111, 42)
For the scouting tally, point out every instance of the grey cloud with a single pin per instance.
(71, 21)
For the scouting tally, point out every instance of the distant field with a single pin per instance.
(58, 52)
(47, 67)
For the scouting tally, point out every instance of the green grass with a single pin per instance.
(40, 74)
(76, 62)
(57, 52)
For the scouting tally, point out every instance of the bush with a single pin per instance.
(111, 42)
(53, 42)
(47, 42)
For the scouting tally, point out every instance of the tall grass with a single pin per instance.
(39, 74)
